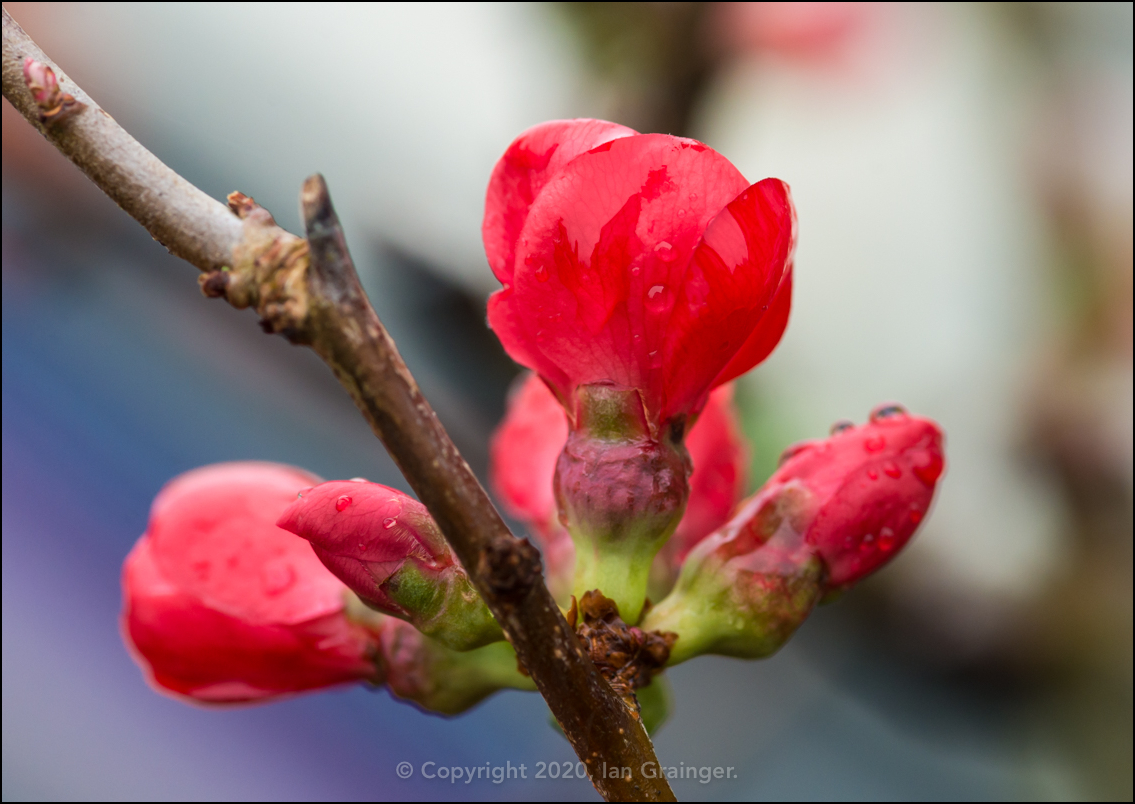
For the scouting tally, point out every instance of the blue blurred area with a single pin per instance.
(118, 375)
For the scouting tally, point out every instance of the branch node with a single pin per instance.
(214, 284)
(626, 656)
(511, 566)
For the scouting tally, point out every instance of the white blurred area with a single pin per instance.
(404, 107)
(923, 145)
(920, 272)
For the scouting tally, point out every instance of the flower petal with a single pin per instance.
(529, 163)
(604, 253)
(728, 291)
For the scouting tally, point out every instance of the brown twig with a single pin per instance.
(308, 291)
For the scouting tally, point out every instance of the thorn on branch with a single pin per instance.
(54, 104)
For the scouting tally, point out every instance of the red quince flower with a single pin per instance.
(222, 606)
(643, 261)
(386, 547)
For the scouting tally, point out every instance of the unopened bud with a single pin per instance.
(621, 491)
(836, 510)
(385, 546)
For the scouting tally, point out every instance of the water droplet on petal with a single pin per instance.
(276, 579)
(872, 474)
(389, 522)
(541, 273)
(874, 444)
(666, 252)
(916, 516)
(886, 540)
(693, 197)
(841, 425)
(657, 298)
(342, 503)
(636, 270)
(791, 452)
(887, 411)
(681, 213)
(931, 470)
(892, 470)
(655, 359)
(359, 480)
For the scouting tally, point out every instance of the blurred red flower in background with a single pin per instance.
(222, 606)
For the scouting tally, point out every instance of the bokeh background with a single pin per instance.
(963, 178)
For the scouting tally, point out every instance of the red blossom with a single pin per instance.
(220, 605)
(647, 261)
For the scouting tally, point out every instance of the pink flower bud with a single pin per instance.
(54, 104)
(836, 510)
(385, 546)
(222, 606)
(42, 83)
(871, 485)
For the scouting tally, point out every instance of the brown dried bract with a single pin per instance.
(625, 655)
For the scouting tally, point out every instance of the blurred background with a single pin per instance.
(963, 179)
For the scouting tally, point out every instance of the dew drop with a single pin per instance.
(342, 503)
(874, 444)
(541, 273)
(868, 543)
(693, 197)
(358, 480)
(655, 359)
(886, 540)
(930, 471)
(389, 522)
(666, 252)
(840, 426)
(892, 470)
(657, 298)
(916, 516)
(636, 270)
(872, 474)
(681, 213)
(791, 452)
(887, 411)
(277, 579)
